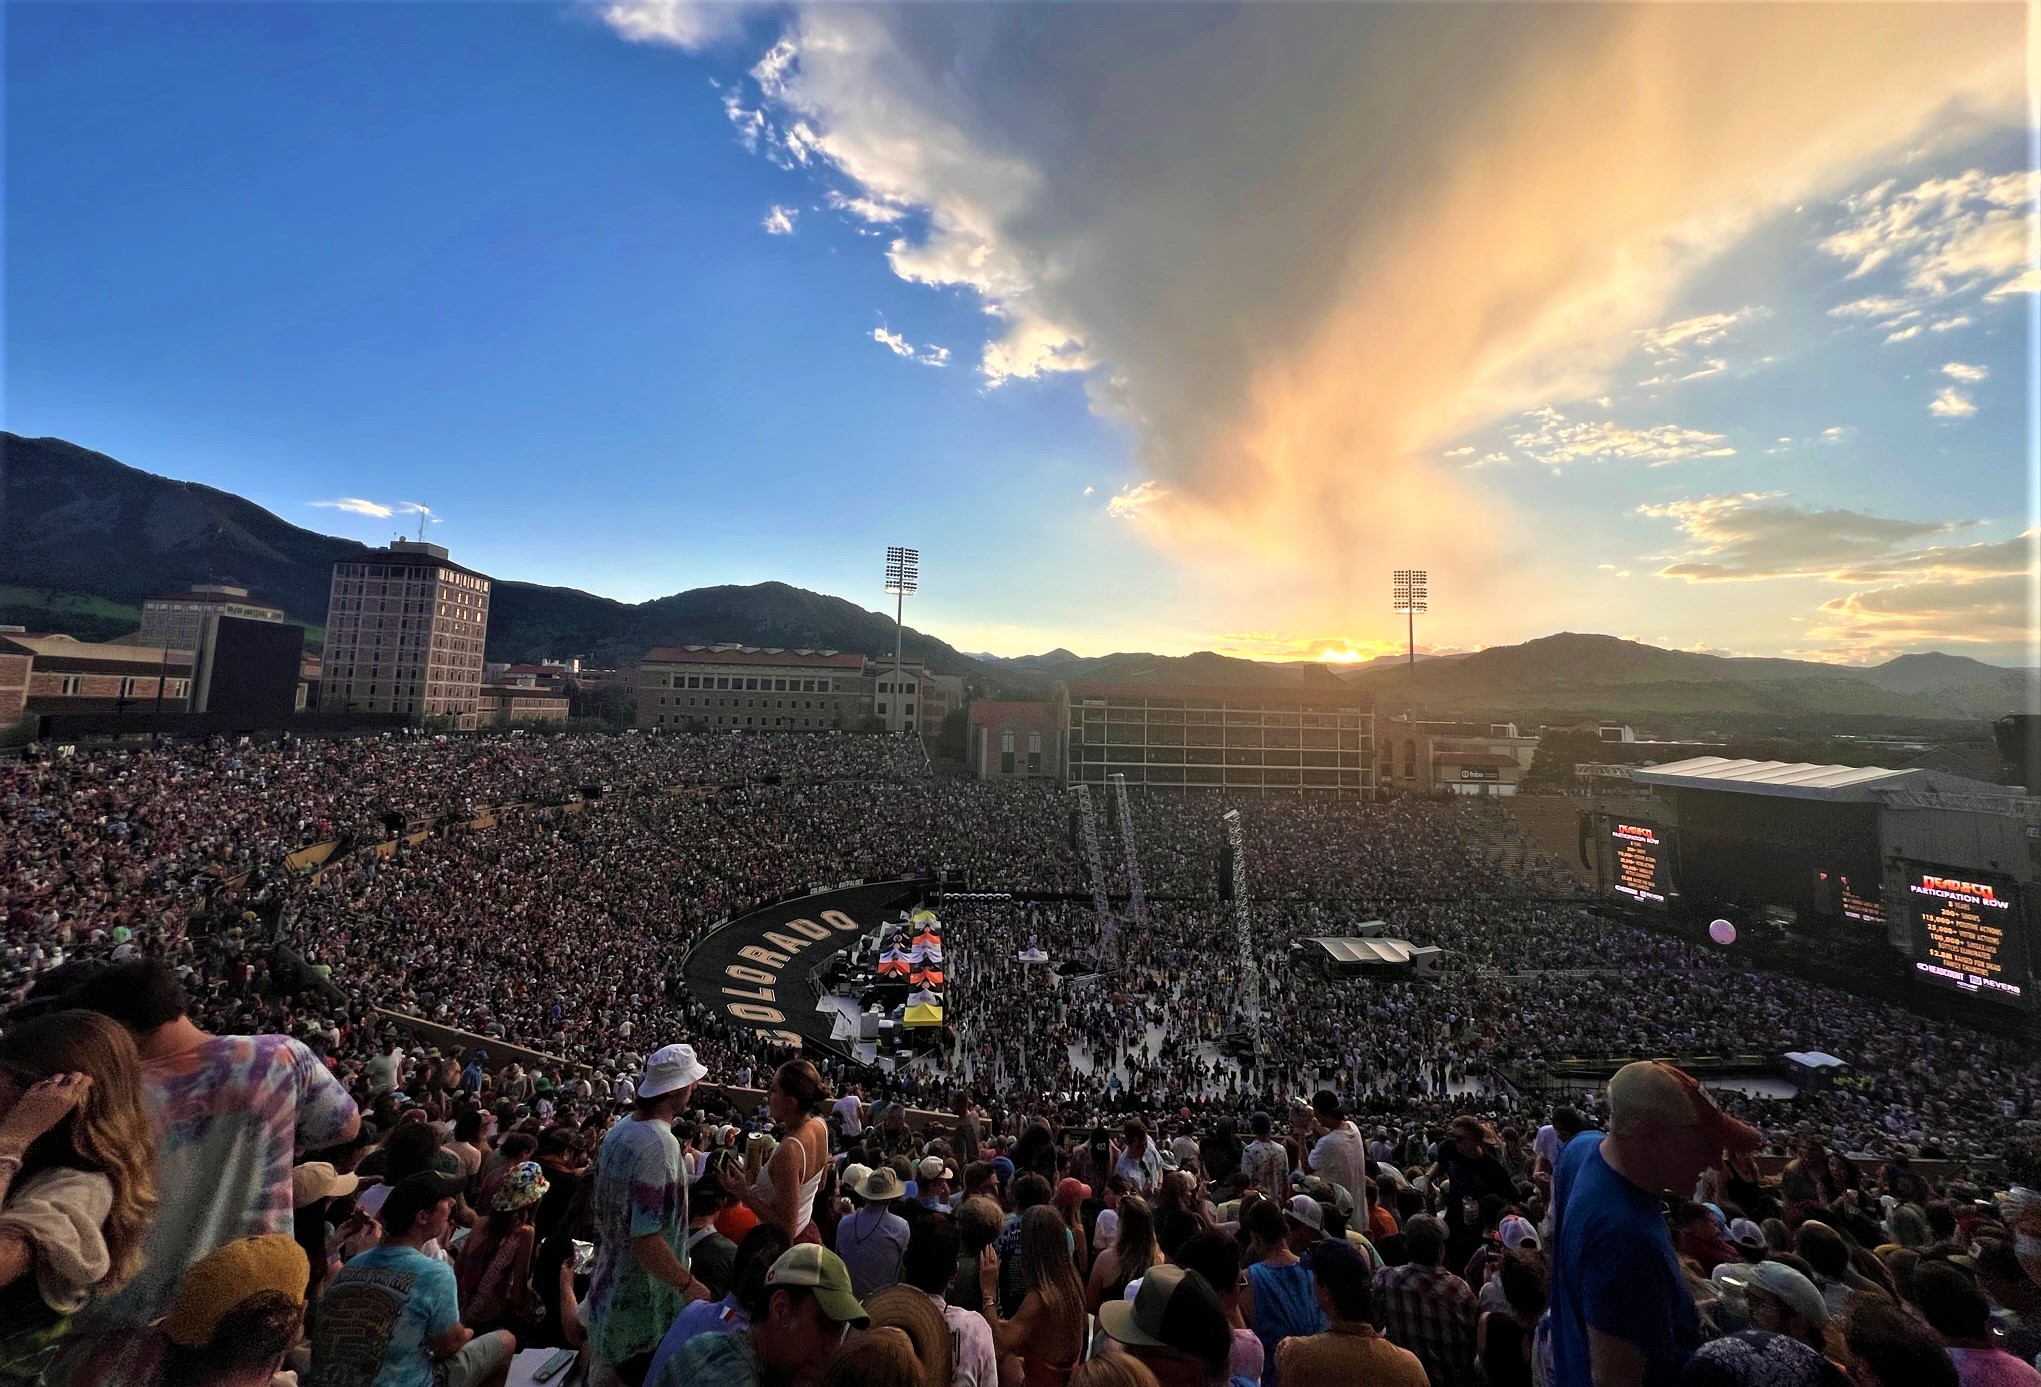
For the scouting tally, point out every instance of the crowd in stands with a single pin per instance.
(227, 1151)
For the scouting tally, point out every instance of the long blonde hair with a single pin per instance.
(109, 1134)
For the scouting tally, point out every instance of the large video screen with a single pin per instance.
(1966, 931)
(1821, 861)
(1637, 861)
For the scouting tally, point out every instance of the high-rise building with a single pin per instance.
(176, 621)
(405, 627)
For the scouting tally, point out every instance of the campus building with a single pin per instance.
(177, 621)
(405, 627)
(1220, 736)
(719, 687)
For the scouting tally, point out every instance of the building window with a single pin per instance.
(1410, 760)
(1034, 744)
(1006, 742)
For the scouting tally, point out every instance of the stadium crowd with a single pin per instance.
(227, 1151)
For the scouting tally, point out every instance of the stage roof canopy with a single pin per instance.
(1803, 780)
(1370, 950)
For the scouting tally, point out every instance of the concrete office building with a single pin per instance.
(711, 688)
(405, 627)
(1290, 740)
(926, 698)
(177, 620)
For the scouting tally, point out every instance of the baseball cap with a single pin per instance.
(1516, 1231)
(1800, 1294)
(822, 1271)
(1070, 1190)
(1175, 1308)
(670, 1068)
(231, 1275)
(414, 1194)
(1307, 1211)
(853, 1176)
(316, 1180)
(1653, 1091)
(933, 1168)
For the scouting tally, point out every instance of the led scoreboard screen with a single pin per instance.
(1966, 932)
(1638, 869)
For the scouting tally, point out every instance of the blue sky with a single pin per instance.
(1128, 317)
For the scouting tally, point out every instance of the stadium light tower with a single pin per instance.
(903, 576)
(1407, 586)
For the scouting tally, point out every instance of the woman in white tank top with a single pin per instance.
(785, 1192)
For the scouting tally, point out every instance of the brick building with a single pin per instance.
(67, 675)
(517, 700)
(405, 629)
(719, 687)
(926, 698)
(176, 621)
(1020, 740)
(1214, 736)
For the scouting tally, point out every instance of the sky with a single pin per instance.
(1153, 327)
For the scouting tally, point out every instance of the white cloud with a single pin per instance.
(355, 505)
(1951, 403)
(1292, 340)
(865, 208)
(1905, 334)
(1833, 433)
(1549, 438)
(2028, 281)
(900, 346)
(1088, 491)
(1673, 339)
(1460, 452)
(780, 220)
(1713, 366)
(689, 24)
(1950, 324)
(1876, 306)
(1943, 237)
(1963, 371)
(1130, 502)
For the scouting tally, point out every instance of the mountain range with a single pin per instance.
(84, 538)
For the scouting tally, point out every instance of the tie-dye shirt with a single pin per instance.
(639, 1190)
(230, 1114)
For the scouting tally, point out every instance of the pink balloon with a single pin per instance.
(1722, 932)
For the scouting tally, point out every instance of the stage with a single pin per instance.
(763, 967)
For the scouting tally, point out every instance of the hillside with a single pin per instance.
(84, 538)
(1572, 675)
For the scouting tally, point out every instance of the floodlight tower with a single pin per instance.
(1407, 588)
(903, 576)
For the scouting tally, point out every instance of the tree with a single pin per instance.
(949, 739)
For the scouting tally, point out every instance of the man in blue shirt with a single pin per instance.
(1621, 1312)
(392, 1316)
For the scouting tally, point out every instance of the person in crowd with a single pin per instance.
(77, 1178)
(933, 1179)
(1339, 1156)
(1473, 1174)
(1133, 1252)
(1425, 1308)
(710, 1256)
(1551, 1139)
(787, 1184)
(882, 1356)
(1070, 1197)
(1350, 1348)
(316, 1188)
(1280, 1299)
(392, 1316)
(1622, 1314)
(640, 1280)
(1216, 1257)
(1887, 1346)
(1503, 1338)
(1173, 1327)
(908, 1311)
(800, 1316)
(929, 1266)
(1788, 1337)
(980, 1224)
(1955, 1309)
(230, 1114)
(1047, 1335)
(493, 1269)
(761, 1247)
(872, 1241)
(240, 1310)
(2015, 1297)
(1265, 1164)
